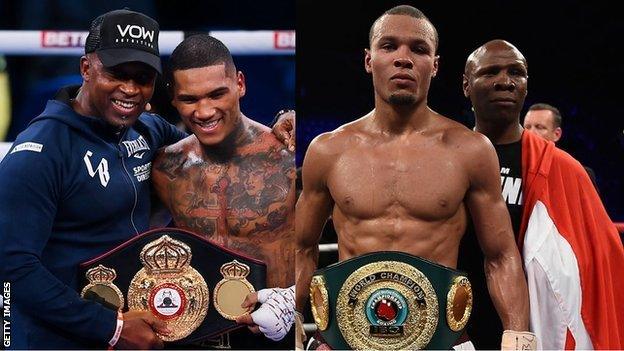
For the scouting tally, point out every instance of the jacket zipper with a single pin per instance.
(136, 195)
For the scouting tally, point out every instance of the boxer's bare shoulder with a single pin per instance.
(450, 132)
(336, 141)
(170, 160)
(472, 148)
(326, 148)
(467, 145)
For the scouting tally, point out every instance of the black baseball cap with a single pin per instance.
(122, 36)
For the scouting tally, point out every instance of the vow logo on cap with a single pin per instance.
(136, 32)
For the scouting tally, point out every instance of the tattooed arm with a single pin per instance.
(165, 170)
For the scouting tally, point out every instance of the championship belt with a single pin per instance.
(390, 300)
(194, 285)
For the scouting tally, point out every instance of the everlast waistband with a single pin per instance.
(390, 300)
(194, 285)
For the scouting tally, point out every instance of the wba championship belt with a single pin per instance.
(194, 285)
(390, 300)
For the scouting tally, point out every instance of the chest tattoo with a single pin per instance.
(245, 196)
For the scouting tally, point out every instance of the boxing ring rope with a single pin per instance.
(309, 328)
(71, 43)
(328, 247)
(56, 42)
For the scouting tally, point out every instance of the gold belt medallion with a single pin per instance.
(231, 291)
(101, 287)
(459, 303)
(387, 305)
(169, 287)
(319, 300)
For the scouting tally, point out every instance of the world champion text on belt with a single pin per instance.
(387, 275)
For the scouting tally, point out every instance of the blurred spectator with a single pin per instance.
(545, 120)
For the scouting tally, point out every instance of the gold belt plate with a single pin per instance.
(231, 291)
(169, 287)
(387, 305)
(101, 285)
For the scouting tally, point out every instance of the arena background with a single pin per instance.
(572, 48)
(34, 79)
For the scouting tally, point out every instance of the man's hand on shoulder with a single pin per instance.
(276, 314)
(139, 331)
(284, 128)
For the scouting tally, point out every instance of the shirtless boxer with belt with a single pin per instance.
(231, 181)
(404, 178)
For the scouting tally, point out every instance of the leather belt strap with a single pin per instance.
(182, 278)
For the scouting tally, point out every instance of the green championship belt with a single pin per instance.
(390, 300)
